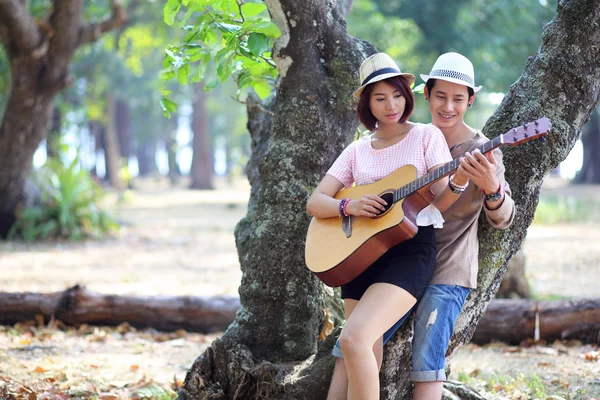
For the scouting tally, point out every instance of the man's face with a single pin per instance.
(447, 103)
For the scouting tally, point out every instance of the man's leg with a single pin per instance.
(434, 324)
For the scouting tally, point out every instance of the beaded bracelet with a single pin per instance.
(342, 207)
(345, 207)
(455, 186)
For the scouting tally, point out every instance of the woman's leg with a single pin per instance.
(379, 308)
(338, 389)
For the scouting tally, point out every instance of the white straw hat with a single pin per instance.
(378, 67)
(455, 68)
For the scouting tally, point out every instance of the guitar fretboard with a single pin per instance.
(440, 172)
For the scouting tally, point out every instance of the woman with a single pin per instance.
(391, 286)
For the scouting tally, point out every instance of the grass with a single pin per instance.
(554, 209)
(523, 386)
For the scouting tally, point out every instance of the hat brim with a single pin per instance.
(410, 78)
(452, 80)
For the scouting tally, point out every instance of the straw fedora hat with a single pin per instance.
(455, 68)
(378, 67)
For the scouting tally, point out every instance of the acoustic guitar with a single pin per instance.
(339, 249)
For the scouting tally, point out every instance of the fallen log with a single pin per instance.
(505, 320)
(514, 320)
(77, 306)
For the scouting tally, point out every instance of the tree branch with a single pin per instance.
(18, 31)
(92, 32)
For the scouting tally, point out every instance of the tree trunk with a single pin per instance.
(76, 306)
(40, 55)
(54, 132)
(112, 152)
(590, 138)
(281, 304)
(123, 127)
(171, 146)
(513, 321)
(146, 157)
(202, 162)
(96, 130)
(514, 283)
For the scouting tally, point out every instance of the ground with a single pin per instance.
(180, 242)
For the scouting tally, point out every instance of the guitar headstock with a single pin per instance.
(529, 131)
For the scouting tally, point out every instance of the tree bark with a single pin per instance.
(590, 139)
(202, 162)
(39, 56)
(77, 306)
(281, 304)
(513, 321)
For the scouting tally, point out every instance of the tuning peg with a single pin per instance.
(544, 139)
(536, 123)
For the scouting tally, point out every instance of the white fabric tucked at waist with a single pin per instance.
(430, 216)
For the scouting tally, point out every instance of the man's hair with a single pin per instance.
(364, 111)
(431, 83)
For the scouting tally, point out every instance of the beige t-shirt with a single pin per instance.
(457, 242)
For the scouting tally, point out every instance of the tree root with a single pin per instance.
(228, 371)
(454, 390)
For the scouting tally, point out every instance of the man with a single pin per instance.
(450, 91)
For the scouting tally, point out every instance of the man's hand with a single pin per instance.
(481, 170)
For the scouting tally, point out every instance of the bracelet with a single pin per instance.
(346, 206)
(342, 207)
(455, 187)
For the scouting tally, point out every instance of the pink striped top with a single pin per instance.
(424, 147)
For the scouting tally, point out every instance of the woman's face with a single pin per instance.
(447, 103)
(386, 103)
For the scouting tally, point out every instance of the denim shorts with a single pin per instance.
(435, 318)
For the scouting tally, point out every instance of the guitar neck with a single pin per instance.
(442, 171)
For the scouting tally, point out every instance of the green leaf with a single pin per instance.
(258, 43)
(262, 88)
(268, 28)
(211, 85)
(168, 106)
(170, 11)
(252, 9)
(183, 74)
(166, 75)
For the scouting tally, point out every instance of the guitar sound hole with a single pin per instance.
(389, 199)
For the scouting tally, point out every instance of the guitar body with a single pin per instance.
(337, 259)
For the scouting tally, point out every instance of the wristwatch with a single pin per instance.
(494, 196)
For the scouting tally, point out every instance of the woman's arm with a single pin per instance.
(322, 204)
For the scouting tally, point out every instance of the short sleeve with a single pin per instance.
(435, 147)
(343, 166)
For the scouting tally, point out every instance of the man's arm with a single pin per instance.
(500, 213)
